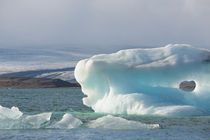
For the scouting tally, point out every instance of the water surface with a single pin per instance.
(62, 101)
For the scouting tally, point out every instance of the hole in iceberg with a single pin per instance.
(187, 85)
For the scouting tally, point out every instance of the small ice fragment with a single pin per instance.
(68, 122)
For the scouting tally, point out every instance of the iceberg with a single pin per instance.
(146, 81)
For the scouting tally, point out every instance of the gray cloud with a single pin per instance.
(107, 22)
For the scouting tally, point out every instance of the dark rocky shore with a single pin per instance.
(27, 82)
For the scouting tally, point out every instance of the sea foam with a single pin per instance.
(146, 81)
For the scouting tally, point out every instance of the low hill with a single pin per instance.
(27, 82)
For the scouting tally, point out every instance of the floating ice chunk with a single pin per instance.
(14, 119)
(9, 117)
(13, 113)
(111, 122)
(68, 122)
(35, 121)
(143, 81)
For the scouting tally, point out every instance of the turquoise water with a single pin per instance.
(59, 102)
(43, 100)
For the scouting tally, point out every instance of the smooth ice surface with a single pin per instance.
(146, 81)
(35, 121)
(111, 122)
(68, 122)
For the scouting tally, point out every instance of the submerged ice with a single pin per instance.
(146, 81)
(111, 122)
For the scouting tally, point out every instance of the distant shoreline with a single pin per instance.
(7, 82)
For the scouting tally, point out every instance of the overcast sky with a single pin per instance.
(104, 22)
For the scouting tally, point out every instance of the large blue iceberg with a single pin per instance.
(146, 81)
